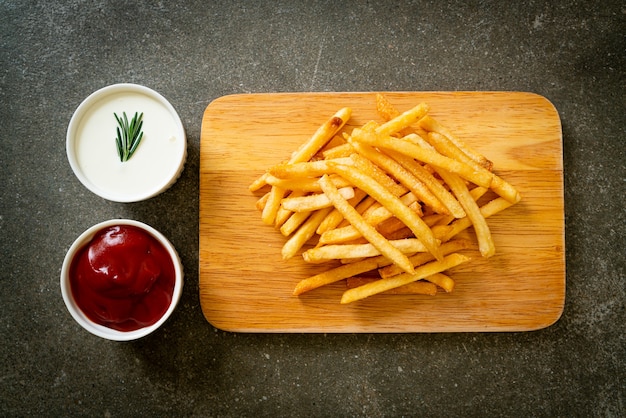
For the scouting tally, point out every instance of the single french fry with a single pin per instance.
(323, 134)
(442, 280)
(505, 189)
(313, 202)
(387, 112)
(346, 251)
(272, 205)
(340, 151)
(293, 222)
(393, 204)
(304, 184)
(368, 232)
(259, 183)
(362, 292)
(385, 109)
(303, 234)
(305, 169)
(425, 155)
(417, 140)
(339, 273)
(416, 288)
(262, 201)
(421, 258)
(483, 234)
(403, 120)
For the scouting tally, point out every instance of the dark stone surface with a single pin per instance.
(53, 54)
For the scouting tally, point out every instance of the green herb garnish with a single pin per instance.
(128, 135)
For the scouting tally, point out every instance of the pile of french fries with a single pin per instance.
(388, 198)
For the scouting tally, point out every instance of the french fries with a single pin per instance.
(305, 153)
(382, 285)
(387, 199)
(392, 203)
(368, 231)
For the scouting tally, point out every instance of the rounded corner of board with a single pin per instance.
(551, 321)
(218, 100)
(545, 100)
(217, 324)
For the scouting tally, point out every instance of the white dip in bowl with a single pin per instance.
(92, 151)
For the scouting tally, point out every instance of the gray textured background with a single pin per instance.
(55, 53)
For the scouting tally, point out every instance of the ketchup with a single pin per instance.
(123, 278)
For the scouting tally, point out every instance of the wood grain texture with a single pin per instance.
(245, 286)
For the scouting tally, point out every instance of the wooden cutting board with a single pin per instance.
(245, 286)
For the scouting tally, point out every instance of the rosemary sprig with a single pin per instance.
(128, 135)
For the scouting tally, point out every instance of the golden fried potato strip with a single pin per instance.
(305, 169)
(403, 120)
(442, 280)
(483, 234)
(340, 273)
(347, 251)
(313, 202)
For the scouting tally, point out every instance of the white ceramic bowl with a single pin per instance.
(77, 313)
(92, 151)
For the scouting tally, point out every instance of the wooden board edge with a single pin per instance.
(559, 310)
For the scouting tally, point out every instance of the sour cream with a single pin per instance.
(92, 149)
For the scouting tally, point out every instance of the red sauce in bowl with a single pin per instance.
(123, 278)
